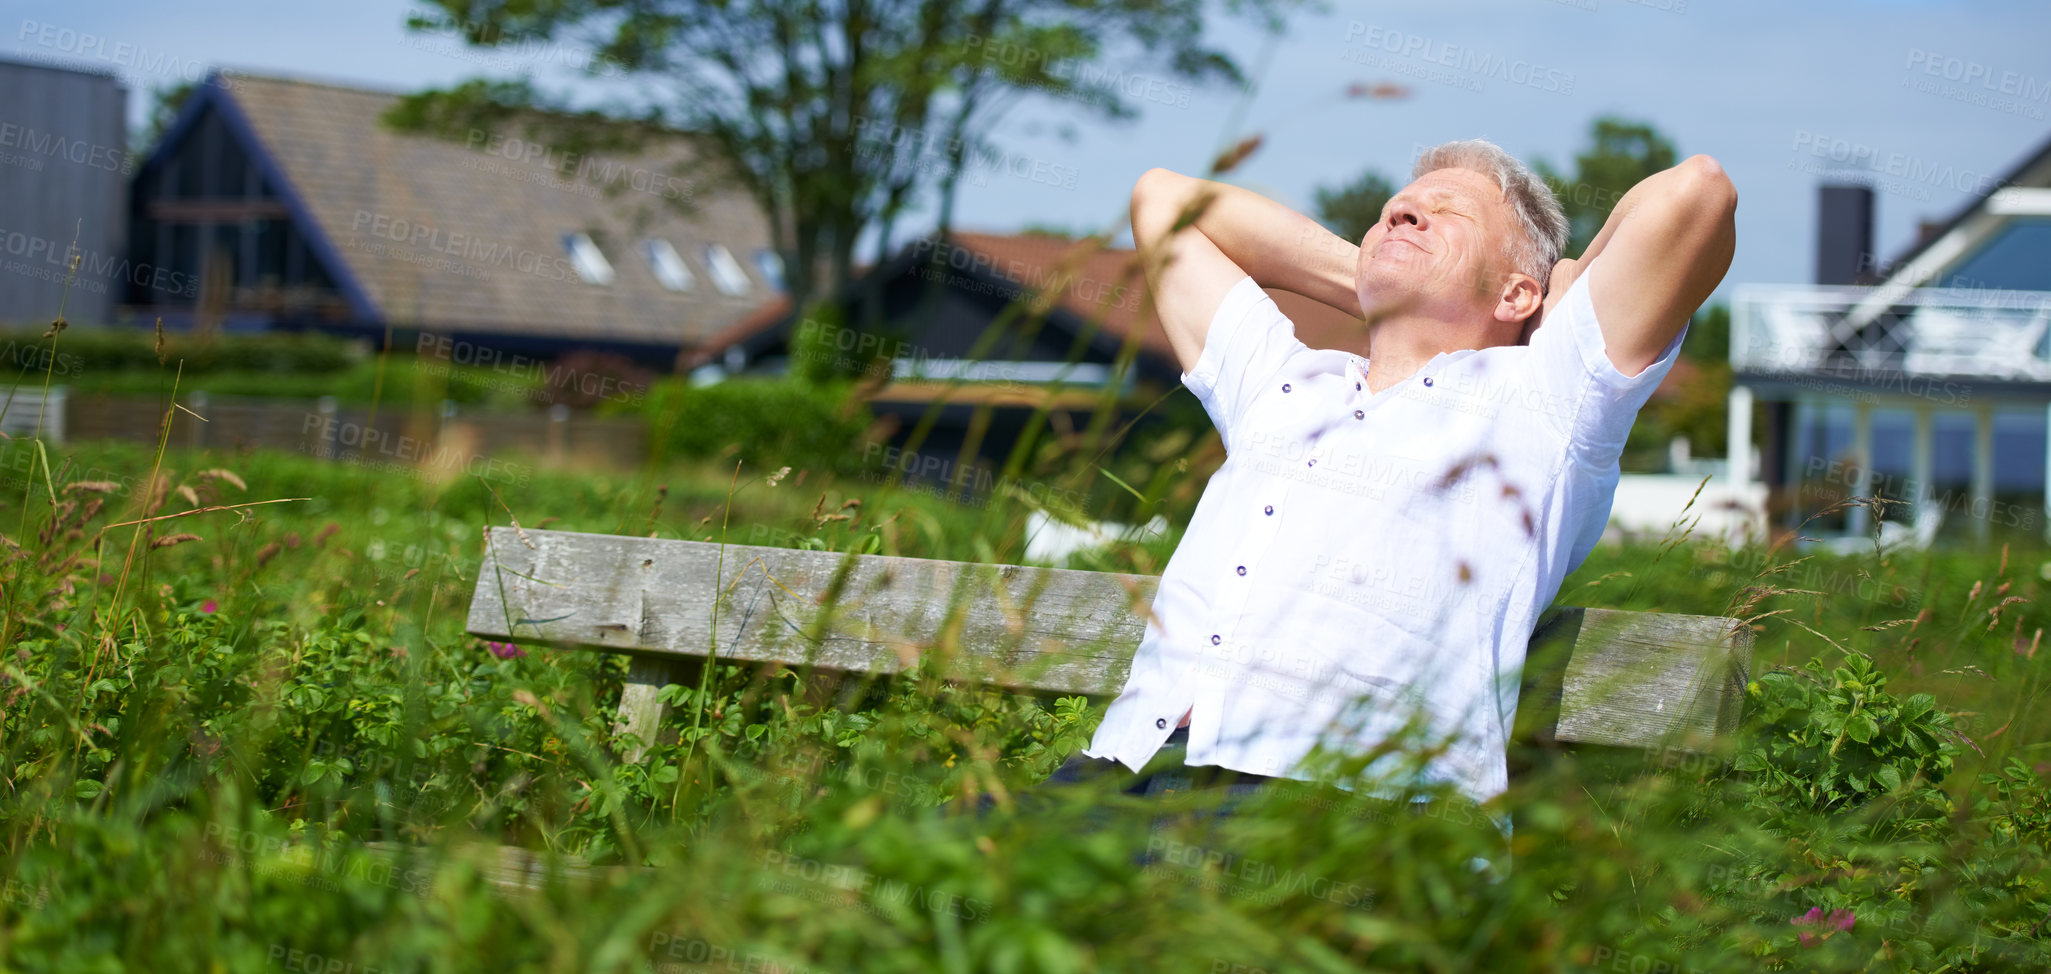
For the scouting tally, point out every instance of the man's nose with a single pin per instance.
(1403, 213)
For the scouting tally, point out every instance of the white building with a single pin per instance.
(1924, 383)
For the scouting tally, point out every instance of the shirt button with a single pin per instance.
(1360, 414)
(1285, 387)
(1161, 722)
(1356, 387)
(1427, 380)
(1270, 510)
(1242, 569)
(1215, 639)
(1313, 461)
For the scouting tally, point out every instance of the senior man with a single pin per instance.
(1387, 528)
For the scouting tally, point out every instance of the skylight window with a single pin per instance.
(589, 261)
(727, 274)
(668, 265)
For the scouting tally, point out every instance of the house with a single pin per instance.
(1003, 325)
(65, 165)
(1924, 381)
(285, 204)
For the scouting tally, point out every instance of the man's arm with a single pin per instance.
(1663, 249)
(1192, 265)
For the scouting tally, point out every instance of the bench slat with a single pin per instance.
(1630, 678)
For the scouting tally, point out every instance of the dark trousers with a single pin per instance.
(1165, 780)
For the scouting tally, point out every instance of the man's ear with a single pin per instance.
(1520, 300)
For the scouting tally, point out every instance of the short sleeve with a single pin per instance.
(1248, 341)
(1593, 402)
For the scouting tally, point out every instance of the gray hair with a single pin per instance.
(1539, 216)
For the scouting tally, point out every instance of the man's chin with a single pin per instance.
(1383, 302)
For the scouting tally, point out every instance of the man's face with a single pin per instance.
(1440, 247)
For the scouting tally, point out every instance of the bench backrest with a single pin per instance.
(1599, 676)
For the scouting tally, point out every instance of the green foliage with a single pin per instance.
(1709, 335)
(276, 742)
(1353, 209)
(822, 352)
(1698, 407)
(828, 137)
(1620, 154)
(89, 351)
(768, 423)
(1831, 739)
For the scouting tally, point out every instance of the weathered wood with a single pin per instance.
(1639, 679)
(641, 709)
(507, 868)
(1628, 678)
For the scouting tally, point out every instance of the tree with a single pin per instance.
(836, 115)
(1353, 209)
(165, 104)
(1620, 154)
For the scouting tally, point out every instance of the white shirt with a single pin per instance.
(1391, 548)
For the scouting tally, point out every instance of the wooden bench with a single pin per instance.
(1595, 676)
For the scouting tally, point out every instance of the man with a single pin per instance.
(1387, 528)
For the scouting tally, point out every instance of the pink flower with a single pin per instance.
(504, 650)
(1837, 920)
(209, 606)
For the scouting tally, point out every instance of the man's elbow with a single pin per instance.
(1704, 187)
(1157, 199)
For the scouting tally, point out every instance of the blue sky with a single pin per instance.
(1909, 93)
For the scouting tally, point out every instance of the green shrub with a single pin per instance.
(1831, 740)
(768, 423)
(100, 350)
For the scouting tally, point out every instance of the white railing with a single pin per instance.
(1967, 332)
(23, 410)
(1037, 373)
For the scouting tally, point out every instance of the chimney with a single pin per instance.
(1844, 234)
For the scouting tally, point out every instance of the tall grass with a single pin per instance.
(243, 735)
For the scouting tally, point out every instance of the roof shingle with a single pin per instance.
(468, 235)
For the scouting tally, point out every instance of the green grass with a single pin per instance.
(202, 742)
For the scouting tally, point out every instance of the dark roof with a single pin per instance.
(1101, 284)
(2034, 170)
(447, 234)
